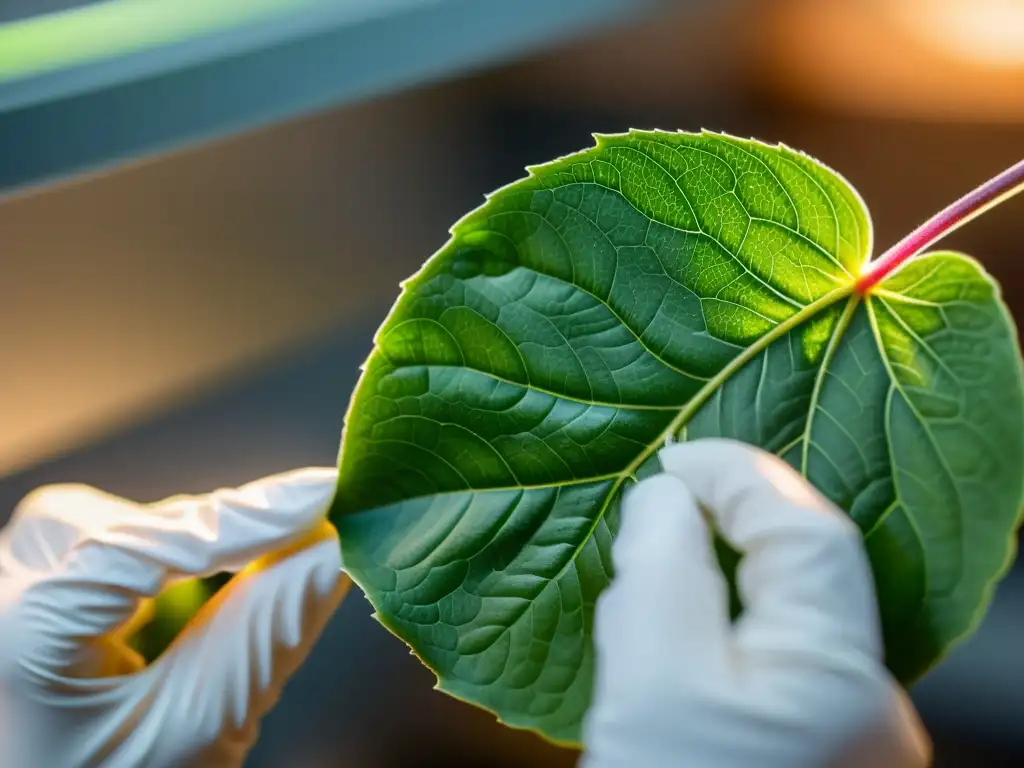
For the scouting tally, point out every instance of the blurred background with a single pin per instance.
(176, 315)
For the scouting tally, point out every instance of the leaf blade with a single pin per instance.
(654, 285)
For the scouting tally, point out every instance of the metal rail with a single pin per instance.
(120, 80)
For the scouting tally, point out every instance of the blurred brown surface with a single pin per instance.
(123, 293)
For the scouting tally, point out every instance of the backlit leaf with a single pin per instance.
(657, 285)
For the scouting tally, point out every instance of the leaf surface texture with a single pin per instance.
(667, 285)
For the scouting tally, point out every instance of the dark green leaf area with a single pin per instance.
(667, 286)
(495, 590)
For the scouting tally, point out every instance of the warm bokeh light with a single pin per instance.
(989, 32)
(960, 60)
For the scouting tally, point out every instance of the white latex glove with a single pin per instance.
(75, 566)
(797, 682)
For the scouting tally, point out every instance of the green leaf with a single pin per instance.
(172, 610)
(657, 285)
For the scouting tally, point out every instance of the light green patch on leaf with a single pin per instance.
(667, 285)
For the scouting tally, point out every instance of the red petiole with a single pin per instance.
(989, 194)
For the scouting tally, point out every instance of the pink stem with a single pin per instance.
(991, 193)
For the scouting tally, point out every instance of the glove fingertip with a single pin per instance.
(322, 481)
(662, 500)
(279, 504)
(660, 515)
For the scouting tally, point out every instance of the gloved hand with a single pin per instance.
(75, 564)
(797, 682)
